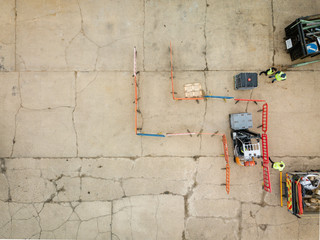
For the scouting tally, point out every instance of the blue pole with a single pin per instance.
(225, 97)
(150, 135)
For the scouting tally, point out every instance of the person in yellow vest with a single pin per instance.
(269, 72)
(277, 165)
(279, 76)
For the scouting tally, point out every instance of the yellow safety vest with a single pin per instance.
(279, 166)
(270, 72)
(279, 78)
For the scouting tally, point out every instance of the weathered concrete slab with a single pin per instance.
(160, 175)
(100, 189)
(155, 90)
(102, 115)
(245, 20)
(309, 227)
(188, 40)
(90, 179)
(42, 90)
(28, 186)
(81, 53)
(144, 175)
(56, 221)
(47, 133)
(243, 193)
(114, 34)
(215, 208)
(88, 176)
(4, 187)
(9, 106)
(44, 31)
(78, 35)
(211, 228)
(158, 221)
(270, 222)
(298, 138)
(7, 36)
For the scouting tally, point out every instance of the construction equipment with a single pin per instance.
(245, 142)
(302, 191)
(303, 37)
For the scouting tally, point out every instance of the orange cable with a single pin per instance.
(136, 102)
(249, 100)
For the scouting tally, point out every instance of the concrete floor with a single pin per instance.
(71, 164)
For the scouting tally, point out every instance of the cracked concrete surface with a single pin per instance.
(71, 166)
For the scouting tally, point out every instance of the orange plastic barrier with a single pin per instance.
(226, 156)
(135, 89)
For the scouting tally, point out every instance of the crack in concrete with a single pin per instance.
(81, 31)
(16, 117)
(156, 217)
(3, 170)
(143, 34)
(47, 108)
(273, 32)
(15, 34)
(115, 235)
(73, 118)
(134, 158)
(67, 47)
(248, 101)
(131, 218)
(205, 36)
(205, 110)
(21, 61)
(240, 221)
(111, 220)
(120, 181)
(190, 193)
(140, 113)
(82, 28)
(38, 218)
(83, 89)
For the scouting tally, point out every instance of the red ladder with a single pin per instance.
(265, 118)
(265, 155)
(226, 156)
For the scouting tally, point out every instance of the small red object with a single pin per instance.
(249, 79)
(249, 163)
